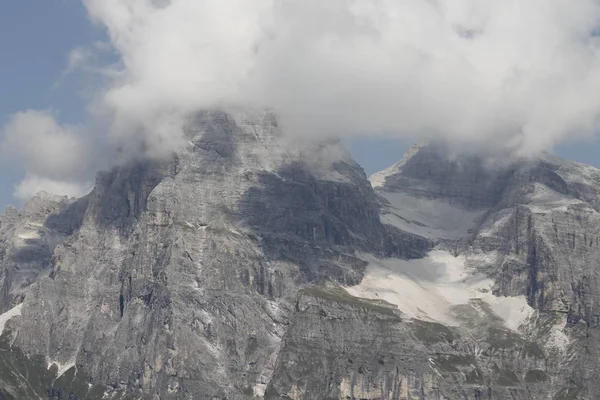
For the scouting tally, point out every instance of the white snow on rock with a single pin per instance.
(544, 200)
(13, 312)
(378, 178)
(557, 337)
(62, 368)
(429, 288)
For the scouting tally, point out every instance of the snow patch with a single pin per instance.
(513, 310)
(13, 312)
(431, 287)
(378, 178)
(62, 368)
(544, 199)
(557, 337)
(260, 389)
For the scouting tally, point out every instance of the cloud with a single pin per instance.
(78, 58)
(177, 58)
(514, 75)
(33, 184)
(56, 158)
(44, 146)
(521, 75)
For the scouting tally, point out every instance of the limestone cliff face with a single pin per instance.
(181, 277)
(365, 349)
(28, 239)
(533, 230)
(247, 266)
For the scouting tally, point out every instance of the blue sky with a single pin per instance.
(36, 39)
(37, 36)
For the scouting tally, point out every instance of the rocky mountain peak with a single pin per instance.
(249, 265)
(180, 274)
(473, 181)
(529, 226)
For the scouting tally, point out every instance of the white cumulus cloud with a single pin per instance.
(518, 74)
(55, 157)
(514, 75)
(33, 184)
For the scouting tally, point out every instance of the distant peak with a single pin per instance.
(378, 178)
(10, 211)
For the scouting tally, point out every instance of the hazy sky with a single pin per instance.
(523, 75)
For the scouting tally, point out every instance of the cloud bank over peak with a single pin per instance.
(517, 76)
(177, 58)
(522, 75)
(56, 157)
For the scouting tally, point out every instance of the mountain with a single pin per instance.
(523, 279)
(247, 265)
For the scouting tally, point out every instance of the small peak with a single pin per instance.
(43, 197)
(378, 178)
(414, 149)
(10, 213)
(42, 201)
(10, 209)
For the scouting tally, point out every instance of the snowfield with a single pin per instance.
(13, 312)
(432, 287)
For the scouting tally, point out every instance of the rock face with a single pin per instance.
(182, 274)
(247, 266)
(28, 239)
(530, 227)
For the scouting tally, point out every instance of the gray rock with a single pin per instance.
(28, 239)
(182, 276)
(536, 228)
(223, 271)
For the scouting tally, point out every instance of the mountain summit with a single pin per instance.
(245, 266)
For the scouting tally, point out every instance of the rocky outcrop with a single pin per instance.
(366, 349)
(434, 172)
(181, 278)
(245, 265)
(533, 231)
(28, 239)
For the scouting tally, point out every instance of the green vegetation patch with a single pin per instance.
(505, 339)
(454, 362)
(432, 332)
(339, 295)
(500, 338)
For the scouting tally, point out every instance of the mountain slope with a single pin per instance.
(247, 266)
(518, 249)
(182, 276)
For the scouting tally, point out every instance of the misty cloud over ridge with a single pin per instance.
(57, 158)
(524, 74)
(515, 75)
